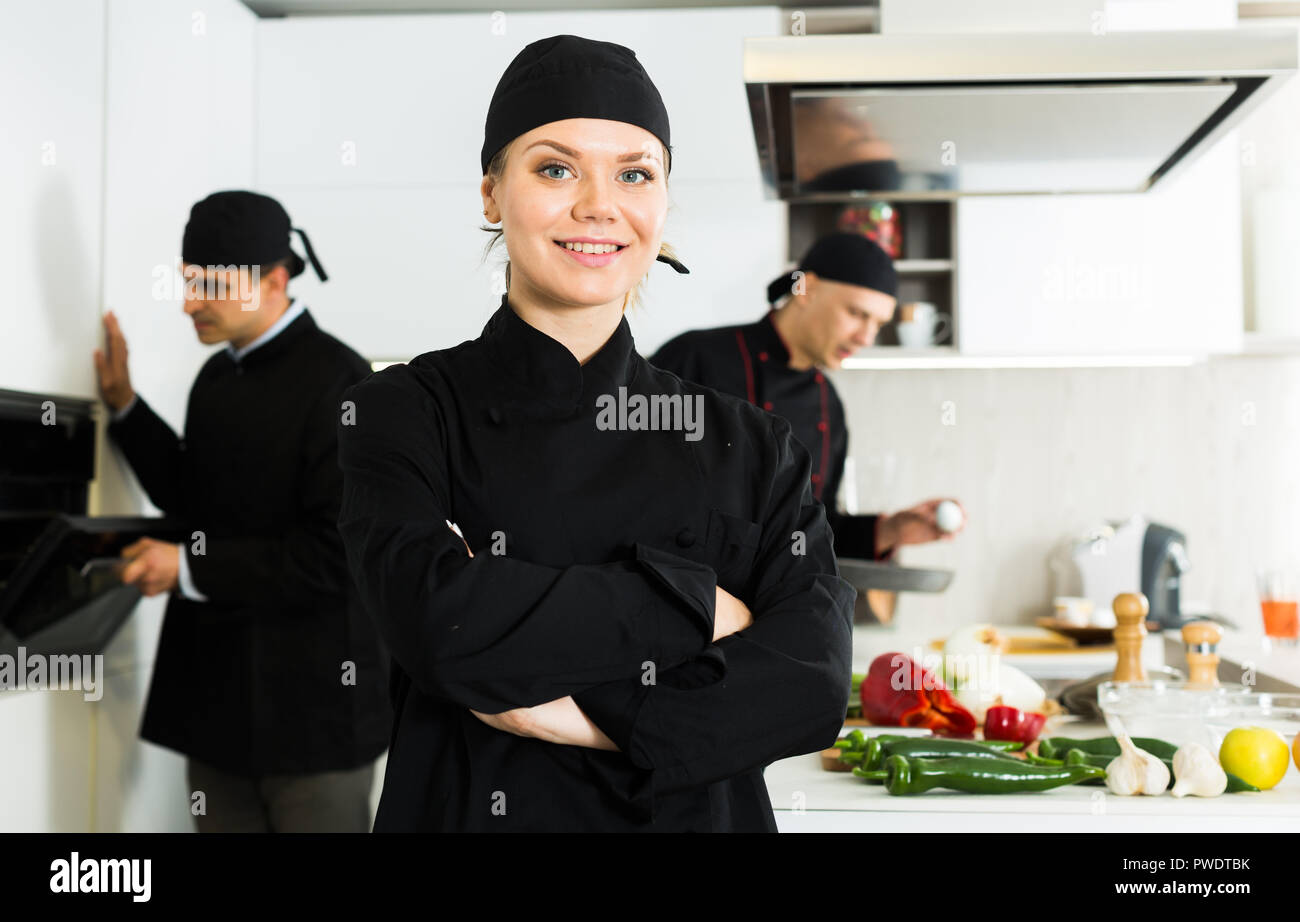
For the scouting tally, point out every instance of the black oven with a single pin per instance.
(60, 586)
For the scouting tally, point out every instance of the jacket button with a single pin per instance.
(767, 405)
(762, 356)
(821, 426)
(685, 538)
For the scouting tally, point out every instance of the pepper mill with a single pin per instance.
(1202, 639)
(1130, 631)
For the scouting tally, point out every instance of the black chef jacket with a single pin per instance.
(596, 556)
(252, 681)
(752, 361)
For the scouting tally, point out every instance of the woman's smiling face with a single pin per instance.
(570, 190)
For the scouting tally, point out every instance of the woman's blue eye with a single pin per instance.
(545, 169)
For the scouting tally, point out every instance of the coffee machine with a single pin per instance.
(1126, 555)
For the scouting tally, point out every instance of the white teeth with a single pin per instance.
(591, 247)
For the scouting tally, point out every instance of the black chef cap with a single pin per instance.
(842, 257)
(237, 228)
(567, 76)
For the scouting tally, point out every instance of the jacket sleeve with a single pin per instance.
(855, 535)
(154, 452)
(493, 632)
(777, 689)
(304, 563)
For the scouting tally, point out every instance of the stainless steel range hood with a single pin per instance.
(940, 116)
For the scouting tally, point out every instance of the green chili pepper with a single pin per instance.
(927, 748)
(1039, 760)
(1056, 747)
(873, 777)
(980, 775)
(1003, 745)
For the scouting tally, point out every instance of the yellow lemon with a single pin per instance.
(1256, 755)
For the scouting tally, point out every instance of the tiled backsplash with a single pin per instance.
(1037, 454)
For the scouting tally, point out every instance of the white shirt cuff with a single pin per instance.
(118, 415)
(183, 578)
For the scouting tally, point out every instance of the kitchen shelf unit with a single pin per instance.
(926, 266)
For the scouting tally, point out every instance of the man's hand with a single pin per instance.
(153, 565)
(114, 378)
(559, 721)
(914, 526)
(729, 615)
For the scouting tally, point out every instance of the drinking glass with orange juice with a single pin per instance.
(1280, 603)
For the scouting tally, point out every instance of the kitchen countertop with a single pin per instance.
(807, 798)
(1238, 649)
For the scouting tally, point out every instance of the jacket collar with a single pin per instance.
(765, 337)
(280, 341)
(542, 368)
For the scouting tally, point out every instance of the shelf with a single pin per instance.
(1268, 344)
(922, 266)
(947, 357)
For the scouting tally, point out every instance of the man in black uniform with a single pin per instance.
(844, 290)
(269, 675)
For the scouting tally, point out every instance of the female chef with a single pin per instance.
(651, 612)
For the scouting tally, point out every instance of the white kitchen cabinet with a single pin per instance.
(1156, 272)
(51, 165)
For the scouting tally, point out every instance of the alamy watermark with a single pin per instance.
(652, 412)
(56, 672)
(193, 282)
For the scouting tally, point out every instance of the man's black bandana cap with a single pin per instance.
(842, 257)
(238, 228)
(567, 76)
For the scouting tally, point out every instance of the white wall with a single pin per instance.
(180, 126)
(372, 142)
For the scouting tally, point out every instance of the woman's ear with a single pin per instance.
(490, 211)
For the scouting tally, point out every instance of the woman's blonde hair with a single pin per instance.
(497, 168)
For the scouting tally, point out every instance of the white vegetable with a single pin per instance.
(1198, 772)
(997, 683)
(974, 672)
(967, 649)
(1136, 771)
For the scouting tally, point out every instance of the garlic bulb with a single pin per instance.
(1198, 772)
(1135, 771)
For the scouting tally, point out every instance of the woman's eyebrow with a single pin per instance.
(625, 158)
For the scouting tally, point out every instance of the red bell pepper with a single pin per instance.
(1008, 723)
(899, 692)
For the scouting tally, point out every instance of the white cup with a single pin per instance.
(923, 332)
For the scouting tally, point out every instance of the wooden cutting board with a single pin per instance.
(1038, 640)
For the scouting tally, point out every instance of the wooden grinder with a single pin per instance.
(1130, 631)
(1202, 639)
